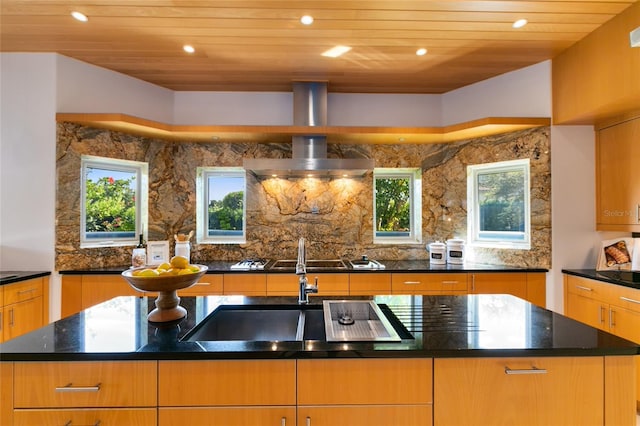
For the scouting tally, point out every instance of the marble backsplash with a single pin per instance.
(334, 215)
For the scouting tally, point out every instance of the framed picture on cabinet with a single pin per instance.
(615, 255)
(157, 252)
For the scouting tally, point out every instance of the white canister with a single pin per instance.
(437, 253)
(183, 248)
(455, 251)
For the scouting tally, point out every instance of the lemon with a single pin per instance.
(148, 273)
(179, 262)
(194, 268)
(166, 266)
(185, 271)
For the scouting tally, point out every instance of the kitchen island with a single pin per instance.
(462, 360)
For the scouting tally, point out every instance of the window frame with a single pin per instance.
(141, 170)
(202, 205)
(415, 199)
(473, 209)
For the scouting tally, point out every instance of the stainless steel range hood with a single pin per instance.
(309, 153)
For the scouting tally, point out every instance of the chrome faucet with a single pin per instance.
(301, 270)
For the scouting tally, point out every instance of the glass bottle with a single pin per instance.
(139, 255)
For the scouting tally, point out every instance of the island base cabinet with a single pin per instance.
(374, 415)
(520, 391)
(102, 417)
(228, 416)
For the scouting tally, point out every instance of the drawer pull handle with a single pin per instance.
(71, 388)
(626, 299)
(203, 284)
(29, 290)
(283, 421)
(532, 370)
(412, 282)
(69, 423)
(308, 421)
(579, 287)
(449, 282)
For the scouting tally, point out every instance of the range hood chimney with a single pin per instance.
(309, 153)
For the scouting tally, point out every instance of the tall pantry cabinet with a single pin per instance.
(618, 175)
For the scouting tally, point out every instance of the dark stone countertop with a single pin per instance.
(442, 326)
(219, 267)
(623, 278)
(10, 277)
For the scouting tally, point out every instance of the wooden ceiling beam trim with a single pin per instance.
(342, 134)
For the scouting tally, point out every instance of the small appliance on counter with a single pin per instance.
(455, 251)
(437, 253)
(249, 264)
(365, 263)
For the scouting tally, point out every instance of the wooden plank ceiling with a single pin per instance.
(260, 45)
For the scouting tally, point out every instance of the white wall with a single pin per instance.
(27, 162)
(522, 93)
(82, 87)
(36, 86)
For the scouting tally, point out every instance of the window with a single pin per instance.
(221, 205)
(498, 203)
(114, 201)
(397, 204)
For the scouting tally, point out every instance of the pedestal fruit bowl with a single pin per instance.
(166, 283)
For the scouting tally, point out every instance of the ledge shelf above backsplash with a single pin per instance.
(280, 134)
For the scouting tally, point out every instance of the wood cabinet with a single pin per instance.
(105, 393)
(617, 179)
(207, 285)
(24, 307)
(368, 283)
(530, 391)
(245, 284)
(529, 286)
(365, 392)
(609, 307)
(238, 392)
(328, 284)
(429, 283)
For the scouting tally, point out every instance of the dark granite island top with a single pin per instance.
(438, 326)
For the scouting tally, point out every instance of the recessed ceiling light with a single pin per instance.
(334, 52)
(189, 49)
(421, 52)
(307, 19)
(79, 16)
(520, 23)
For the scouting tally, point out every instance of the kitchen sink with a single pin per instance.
(260, 323)
(290, 323)
(311, 265)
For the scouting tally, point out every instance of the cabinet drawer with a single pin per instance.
(231, 416)
(364, 381)
(428, 283)
(366, 415)
(588, 288)
(514, 283)
(25, 290)
(227, 383)
(208, 284)
(510, 391)
(245, 284)
(102, 417)
(369, 283)
(85, 384)
(328, 284)
(626, 297)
